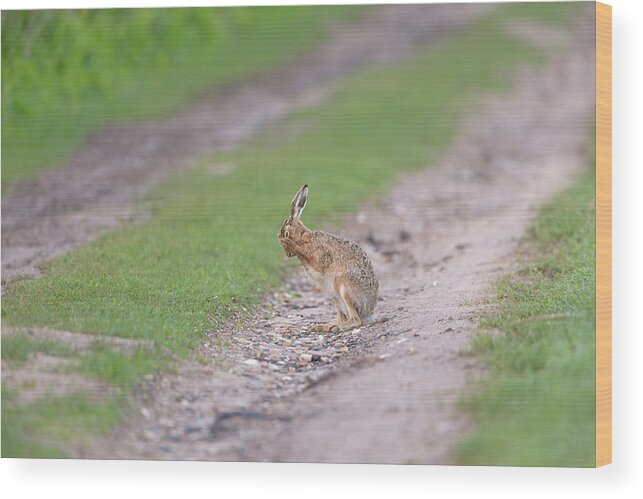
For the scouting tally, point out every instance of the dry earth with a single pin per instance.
(270, 390)
(96, 191)
(43, 375)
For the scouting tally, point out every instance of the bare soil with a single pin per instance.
(65, 207)
(77, 341)
(41, 375)
(268, 389)
(46, 376)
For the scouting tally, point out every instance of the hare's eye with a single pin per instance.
(287, 233)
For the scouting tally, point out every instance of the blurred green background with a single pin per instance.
(66, 72)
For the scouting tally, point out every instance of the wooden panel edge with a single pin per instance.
(603, 234)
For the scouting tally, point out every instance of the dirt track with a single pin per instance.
(387, 392)
(66, 207)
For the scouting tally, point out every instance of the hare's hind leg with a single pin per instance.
(326, 327)
(352, 319)
(331, 326)
(342, 316)
(342, 310)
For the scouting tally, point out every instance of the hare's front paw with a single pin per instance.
(287, 244)
(324, 327)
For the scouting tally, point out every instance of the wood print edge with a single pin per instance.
(603, 234)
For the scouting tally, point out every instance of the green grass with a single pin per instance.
(46, 428)
(122, 369)
(16, 348)
(210, 248)
(538, 409)
(67, 72)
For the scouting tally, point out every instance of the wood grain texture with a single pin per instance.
(603, 234)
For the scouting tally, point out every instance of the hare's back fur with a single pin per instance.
(341, 267)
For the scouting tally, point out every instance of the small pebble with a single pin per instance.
(148, 435)
(168, 423)
(251, 362)
(306, 357)
(404, 235)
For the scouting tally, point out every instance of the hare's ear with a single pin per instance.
(299, 203)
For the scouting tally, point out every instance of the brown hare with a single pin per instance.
(340, 267)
